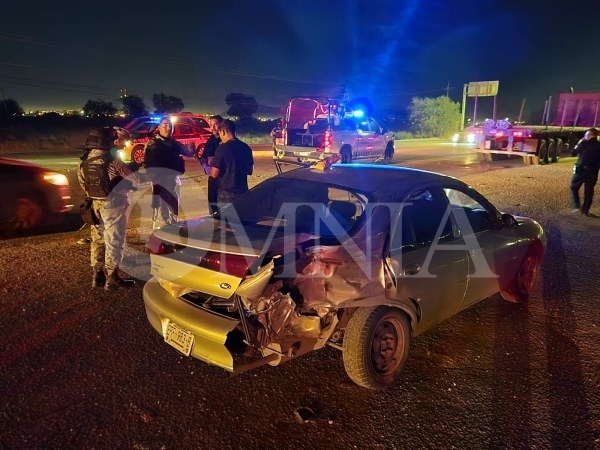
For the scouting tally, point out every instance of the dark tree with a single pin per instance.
(10, 108)
(133, 106)
(241, 105)
(99, 108)
(167, 103)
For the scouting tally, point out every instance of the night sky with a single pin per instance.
(58, 55)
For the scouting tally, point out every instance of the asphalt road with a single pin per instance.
(80, 368)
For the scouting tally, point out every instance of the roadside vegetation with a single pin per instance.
(428, 118)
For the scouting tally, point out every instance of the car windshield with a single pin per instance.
(141, 126)
(308, 207)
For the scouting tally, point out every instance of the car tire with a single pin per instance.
(27, 212)
(137, 154)
(346, 154)
(523, 281)
(376, 345)
(543, 152)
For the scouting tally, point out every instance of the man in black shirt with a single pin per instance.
(207, 158)
(232, 164)
(585, 171)
(164, 164)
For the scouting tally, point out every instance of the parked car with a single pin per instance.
(192, 130)
(32, 196)
(361, 257)
(315, 128)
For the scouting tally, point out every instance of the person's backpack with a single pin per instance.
(95, 176)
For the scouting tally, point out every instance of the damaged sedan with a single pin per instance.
(360, 257)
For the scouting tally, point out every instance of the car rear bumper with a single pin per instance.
(300, 154)
(210, 329)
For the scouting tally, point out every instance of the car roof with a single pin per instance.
(20, 164)
(373, 178)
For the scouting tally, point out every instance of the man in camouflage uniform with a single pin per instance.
(106, 181)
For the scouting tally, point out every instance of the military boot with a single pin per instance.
(114, 281)
(98, 278)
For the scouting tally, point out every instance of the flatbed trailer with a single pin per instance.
(540, 144)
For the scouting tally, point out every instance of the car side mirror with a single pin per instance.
(508, 221)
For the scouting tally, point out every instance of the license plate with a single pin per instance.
(303, 153)
(179, 338)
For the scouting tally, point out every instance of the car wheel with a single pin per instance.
(346, 154)
(28, 213)
(522, 284)
(376, 345)
(543, 152)
(137, 154)
(389, 150)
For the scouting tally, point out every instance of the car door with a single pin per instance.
(373, 142)
(184, 133)
(427, 267)
(491, 248)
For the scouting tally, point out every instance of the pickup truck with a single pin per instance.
(315, 128)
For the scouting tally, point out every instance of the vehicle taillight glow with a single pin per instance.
(328, 140)
(158, 247)
(236, 265)
(499, 134)
(518, 134)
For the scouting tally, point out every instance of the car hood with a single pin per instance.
(19, 163)
(531, 229)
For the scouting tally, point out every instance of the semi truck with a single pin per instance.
(540, 144)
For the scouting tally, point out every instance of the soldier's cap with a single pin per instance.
(104, 137)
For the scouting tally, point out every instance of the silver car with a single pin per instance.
(359, 257)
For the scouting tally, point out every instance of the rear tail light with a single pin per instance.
(236, 265)
(328, 140)
(498, 134)
(158, 247)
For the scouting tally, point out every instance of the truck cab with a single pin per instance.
(315, 128)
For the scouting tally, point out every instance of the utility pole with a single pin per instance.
(464, 105)
(4, 102)
(448, 89)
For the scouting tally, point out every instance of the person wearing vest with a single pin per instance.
(106, 181)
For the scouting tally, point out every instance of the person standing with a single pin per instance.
(207, 158)
(232, 165)
(164, 164)
(106, 181)
(585, 171)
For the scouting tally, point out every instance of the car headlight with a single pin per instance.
(470, 138)
(57, 179)
(455, 137)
